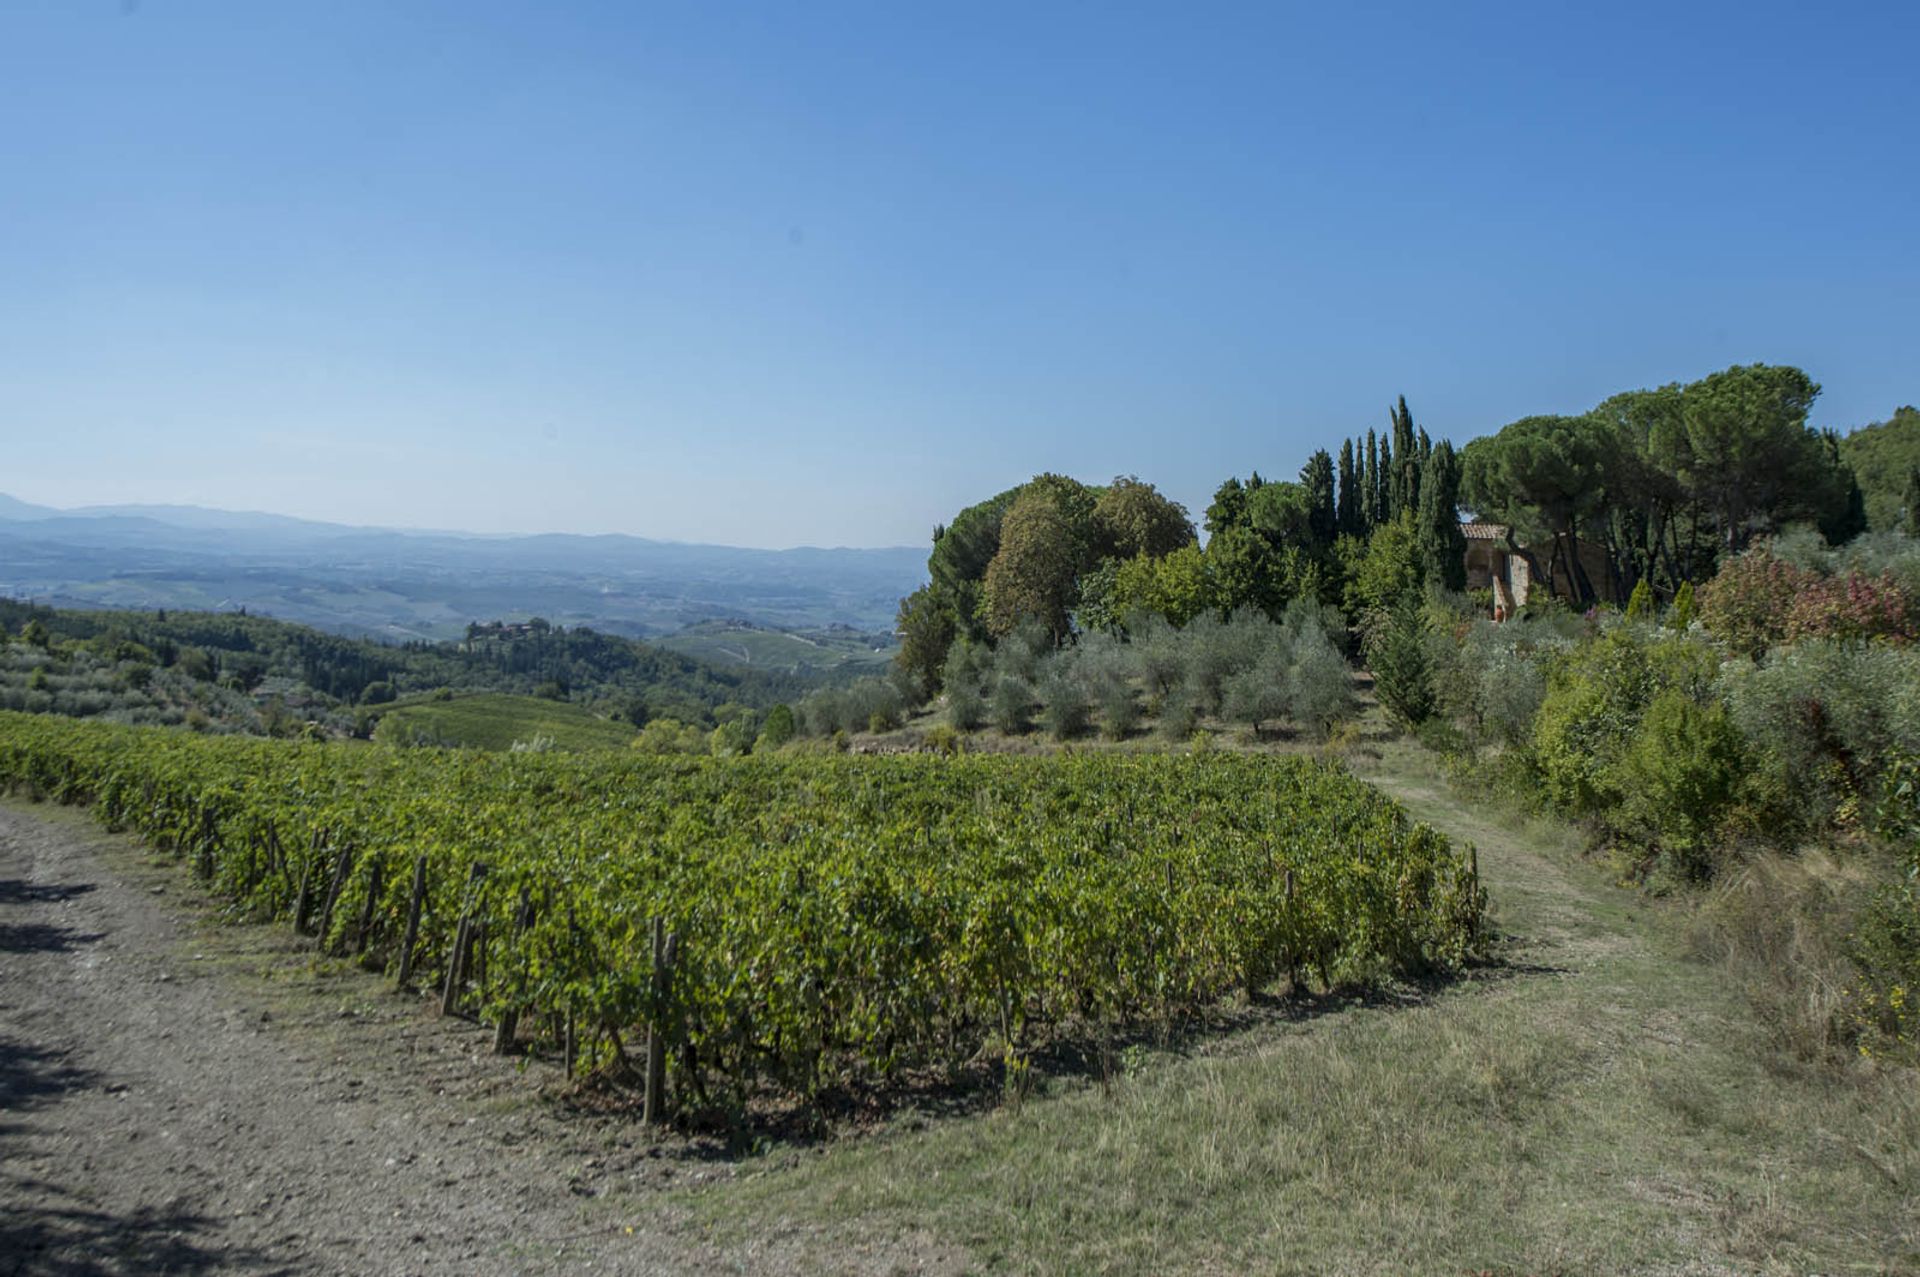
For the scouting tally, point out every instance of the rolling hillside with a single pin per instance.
(405, 586)
(822, 650)
(492, 720)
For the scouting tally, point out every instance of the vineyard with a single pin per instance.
(797, 922)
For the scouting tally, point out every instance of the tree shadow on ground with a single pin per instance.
(62, 1236)
(18, 891)
(46, 1229)
(32, 1075)
(41, 937)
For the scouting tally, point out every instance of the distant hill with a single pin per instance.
(10, 508)
(400, 585)
(250, 673)
(1883, 455)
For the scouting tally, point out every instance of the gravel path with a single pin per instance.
(160, 1111)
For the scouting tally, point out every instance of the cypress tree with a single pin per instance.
(1913, 502)
(1347, 505)
(1417, 472)
(1400, 494)
(1680, 615)
(1370, 486)
(1403, 676)
(1442, 545)
(1640, 602)
(1317, 478)
(1386, 491)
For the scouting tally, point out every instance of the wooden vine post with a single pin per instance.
(341, 868)
(303, 906)
(664, 947)
(414, 904)
(462, 941)
(503, 1032)
(368, 907)
(205, 865)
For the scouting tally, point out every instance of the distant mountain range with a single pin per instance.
(401, 585)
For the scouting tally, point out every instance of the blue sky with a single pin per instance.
(810, 273)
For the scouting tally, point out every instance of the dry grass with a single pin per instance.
(1777, 926)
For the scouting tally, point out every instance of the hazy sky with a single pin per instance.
(805, 273)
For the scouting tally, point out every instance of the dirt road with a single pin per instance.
(164, 1107)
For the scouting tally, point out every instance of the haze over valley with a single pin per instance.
(429, 585)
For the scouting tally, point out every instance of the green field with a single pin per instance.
(738, 643)
(491, 720)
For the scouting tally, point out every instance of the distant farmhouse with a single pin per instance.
(1497, 562)
(507, 631)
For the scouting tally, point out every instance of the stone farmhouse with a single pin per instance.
(1497, 561)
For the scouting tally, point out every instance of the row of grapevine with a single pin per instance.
(833, 919)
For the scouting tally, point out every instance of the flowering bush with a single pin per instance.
(1747, 604)
(1758, 601)
(1853, 606)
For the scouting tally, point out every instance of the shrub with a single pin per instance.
(1389, 567)
(778, 729)
(1597, 694)
(1854, 607)
(1179, 716)
(1259, 694)
(661, 736)
(1760, 600)
(1403, 665)
(1063, 702)
(966, 708)
(1640, 602)
(1680, 615)
(1009, 704)
(1440, 736)
(876, 704)
(1104, 667)
(1319, 683)
(1592, 708)
(1885, 947)
(1502, 682)
(730, 739)
(1679, 777)
(1747, 603)
(941, 739)
(1822, 718)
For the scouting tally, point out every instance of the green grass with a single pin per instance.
(1596, 1101)
(492, 720)
(739, 644)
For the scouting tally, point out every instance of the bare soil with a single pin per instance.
(179, 1094)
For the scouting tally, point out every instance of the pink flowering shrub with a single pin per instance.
(1853, 606)
(1758, 601)
(1747, 604)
